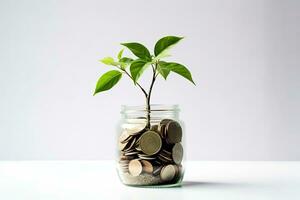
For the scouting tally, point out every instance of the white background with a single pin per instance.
(244, 57)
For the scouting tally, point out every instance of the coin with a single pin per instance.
(124, 165)
(136, 130)
(130, 144)
(147, 166)
(176, 170)
(138, 140)
(138, 148)
(130, 153)
(122, 146)
(124, 161)
(161, 130)
(165, 121)
(154, 128)
(157, 170)
(123, 156)
(173, 132)
(179, 170)
(127, 139)
(167, 173)
(155, 152)
(127, 157)
(157, 162)
(135, 167)
(146, 157)
(164, 158)
(124, 136)
(150, 142)
(177, 153)
(166, 152)
(123, 140)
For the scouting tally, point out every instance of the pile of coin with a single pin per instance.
(154, 152)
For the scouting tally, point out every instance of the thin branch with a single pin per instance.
(153, 80)
(144, 91)
(149, 96)
(153, 69)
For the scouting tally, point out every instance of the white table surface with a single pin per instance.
(85, 180)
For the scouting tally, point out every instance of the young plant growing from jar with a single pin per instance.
(153, 155)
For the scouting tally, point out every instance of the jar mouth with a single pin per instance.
(154, 108)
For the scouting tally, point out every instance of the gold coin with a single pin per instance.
(177, 153)
(135, 167)
(173, 132)
(147, 166)
(167, 173)
(150, 142)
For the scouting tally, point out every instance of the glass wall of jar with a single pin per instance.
(150, 154)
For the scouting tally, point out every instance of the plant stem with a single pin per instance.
(148, 97)
(143, 90)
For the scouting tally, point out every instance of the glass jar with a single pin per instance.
(150, 154)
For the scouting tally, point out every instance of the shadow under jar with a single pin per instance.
(150, 155)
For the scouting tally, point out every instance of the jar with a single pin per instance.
(150, 154)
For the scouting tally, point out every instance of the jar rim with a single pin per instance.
(154, 107)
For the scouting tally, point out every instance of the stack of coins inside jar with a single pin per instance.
(151, 156)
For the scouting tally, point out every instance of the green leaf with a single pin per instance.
(139, 50)
(177, 68)
(163, 54)
(107, 81)
(164, 44)
(120, 54)
(124, 62)
(109, 61)
(137, 67)
(164, 71)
